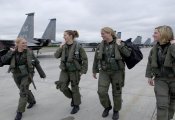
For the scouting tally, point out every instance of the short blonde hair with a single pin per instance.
(18, 40)
(166, 34)
(110, 31)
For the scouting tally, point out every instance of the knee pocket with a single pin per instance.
(116, 92)
(75, 89)
(24, 92)
(23, 88)
(74, 83)
(102, 89)
(63, 87)
(60, 85)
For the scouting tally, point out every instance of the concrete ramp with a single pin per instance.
(138, 97)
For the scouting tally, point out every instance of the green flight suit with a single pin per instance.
(161, 65)
(74, 62)
(21, 65)
(109, 64)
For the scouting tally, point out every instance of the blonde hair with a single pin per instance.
(166, 34)
(18, 40)
(110, 31)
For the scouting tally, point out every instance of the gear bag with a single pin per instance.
(136, 54)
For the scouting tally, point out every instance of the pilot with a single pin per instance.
(109, 64)
(22, 62)
(160, 71)
(74, 63)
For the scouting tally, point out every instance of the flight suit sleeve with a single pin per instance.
(124, 49)
(7, 57)
(35, 60)
(38, 67)
(148, 73)
(95, 63)
(84, 59)
(172, 49)
(58, 52)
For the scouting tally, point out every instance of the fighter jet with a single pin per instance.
(94, 45)
(138, 41)
(147, 43)
(27, 32)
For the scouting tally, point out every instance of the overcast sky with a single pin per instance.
(131, 17)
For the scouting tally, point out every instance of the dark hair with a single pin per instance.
(74, 33)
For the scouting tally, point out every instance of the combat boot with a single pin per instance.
(115, 115)
(106, 111)
(18, 116)
(31, 105)
(75, 109)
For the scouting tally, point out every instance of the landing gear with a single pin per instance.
(93, 49)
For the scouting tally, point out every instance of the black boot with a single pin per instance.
(106, 111)
(18, 116)
(31, 105)
(115, 115)
(75, 109)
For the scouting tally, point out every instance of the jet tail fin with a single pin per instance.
(50, 31)
(138, 40)
(27, 30)
(119, 35)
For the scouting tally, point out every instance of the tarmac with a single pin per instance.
(138, 97)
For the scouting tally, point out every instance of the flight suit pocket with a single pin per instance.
(103, 65)
(169, 71)
(71, 67)
(113, 64)
(23, 70)
(62, 65)
(78, 66)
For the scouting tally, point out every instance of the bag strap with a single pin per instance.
(77, 50)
